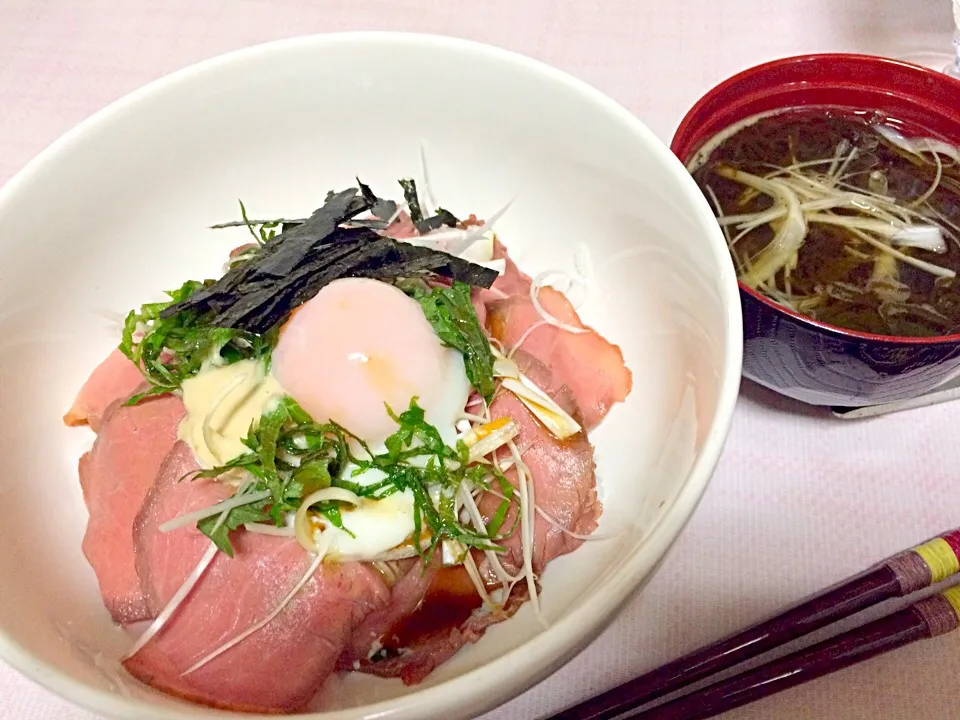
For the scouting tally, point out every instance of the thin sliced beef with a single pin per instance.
(564, 482)
(586, 363)
(564, 487)
(402, 227)
(116, 378)
(281, 667)
(405, 595)
(116, 476)
(165, 559)
(446, 593)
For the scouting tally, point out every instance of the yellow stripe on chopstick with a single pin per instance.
(953, 597)
(940, 557)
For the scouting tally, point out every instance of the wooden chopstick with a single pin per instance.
(932, 616)
(900, 575)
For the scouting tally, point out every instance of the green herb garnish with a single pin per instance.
(174, 348)
(416, 459)
(238, 316)
(254, 512)
(265, 231)
(454, 319)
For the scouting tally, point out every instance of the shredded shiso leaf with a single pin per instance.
(322, 453)
(238, 316)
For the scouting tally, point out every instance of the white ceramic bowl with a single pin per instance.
(116, 211)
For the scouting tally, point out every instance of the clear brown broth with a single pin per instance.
(838, 280)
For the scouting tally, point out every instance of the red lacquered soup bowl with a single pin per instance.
(790, 353)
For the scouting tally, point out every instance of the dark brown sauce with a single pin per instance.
(449, 602)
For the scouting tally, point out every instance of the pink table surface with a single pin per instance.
(798, 502)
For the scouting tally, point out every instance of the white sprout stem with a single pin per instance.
(923, 237)
(474, 418)
(878, 227)
(750, 221)
(854, 202)
(323, 546)
(525, 486)
(856, 253)
(303, 527)
(557, 524)
(470, 565)
(557, 420)
(237, 500)
(854, 153)
(387, 570)
(477, 521)
(838, 151)
(759, 219)
(426, 195)
(778, 169)
(919, 264)
(918, 146)
(474, 234)
(896, 223)
(507, 463)
(789, 236)
(178, 597)
(885, 230)
(535, 287)
(526, 334)
(401, 206)
(953, 231)
(933, 186)
(718, 209)
(192, 579)
(721, 218)
(264, 529)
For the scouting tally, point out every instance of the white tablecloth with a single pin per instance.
(799, 500)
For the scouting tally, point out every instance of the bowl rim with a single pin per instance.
(687, 125)
(546, 651)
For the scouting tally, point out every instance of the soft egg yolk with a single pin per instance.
(356, 347)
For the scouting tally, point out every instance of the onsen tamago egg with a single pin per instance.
(360, 345)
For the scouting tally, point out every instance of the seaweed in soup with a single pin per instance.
(844, 217)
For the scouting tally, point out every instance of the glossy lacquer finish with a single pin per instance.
(817, 612)
(794, 355)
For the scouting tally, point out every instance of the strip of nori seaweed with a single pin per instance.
(435, 222)
(380, 208)
(293, 267)
(409, 186)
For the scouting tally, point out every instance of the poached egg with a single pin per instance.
(356, 348)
